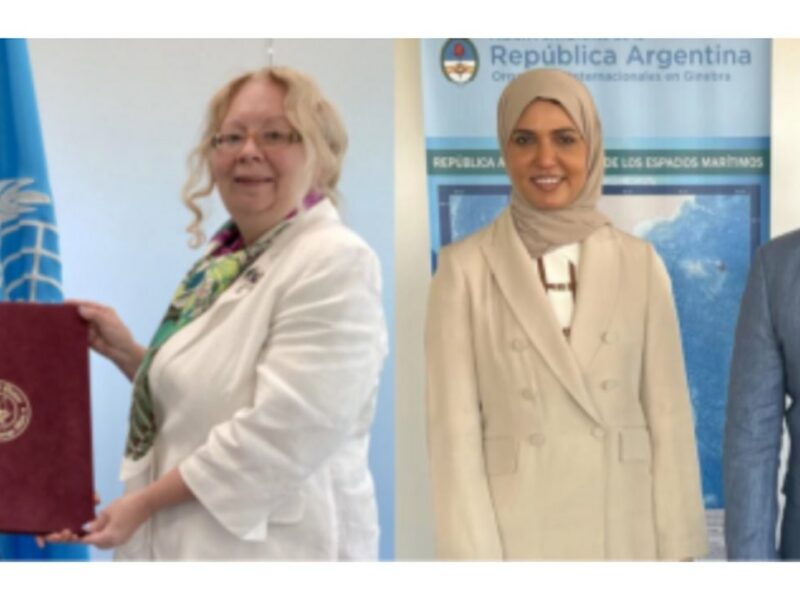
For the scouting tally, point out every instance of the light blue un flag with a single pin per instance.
(30, 268)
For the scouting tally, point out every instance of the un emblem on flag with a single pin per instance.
(15, 411)
(30, 267)
(459, 60)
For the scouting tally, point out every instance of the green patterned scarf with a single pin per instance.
(225, 260)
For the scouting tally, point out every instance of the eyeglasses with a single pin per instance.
(269, 138)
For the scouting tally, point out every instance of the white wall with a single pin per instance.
(414, 516)
(118, 119)
(785, 174)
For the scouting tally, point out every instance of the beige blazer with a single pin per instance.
(548, 448)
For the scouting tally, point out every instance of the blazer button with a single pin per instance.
(528, 394)
(519, 344)
(598, 432)
(609, 384)
(537, 439)
(609, 337)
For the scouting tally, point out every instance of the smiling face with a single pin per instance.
(546, 156)
(260, 183)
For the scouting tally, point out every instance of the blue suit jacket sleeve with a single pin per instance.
(756, 404)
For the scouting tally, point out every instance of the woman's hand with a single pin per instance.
(118, 522)
(109, 336)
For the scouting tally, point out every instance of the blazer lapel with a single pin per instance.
(598, 288)
(320, 214)
(514, 272)
(256, 274)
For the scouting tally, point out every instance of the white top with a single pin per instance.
(265, 404)
(556, 269)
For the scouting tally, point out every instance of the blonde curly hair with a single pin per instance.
(309, 112)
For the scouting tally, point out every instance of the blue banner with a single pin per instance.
(30, 268)
(686, 129)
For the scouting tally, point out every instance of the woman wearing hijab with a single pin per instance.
(559, 421)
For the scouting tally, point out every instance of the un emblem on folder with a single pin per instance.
(15, 411)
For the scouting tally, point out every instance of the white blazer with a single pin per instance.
(265, 404)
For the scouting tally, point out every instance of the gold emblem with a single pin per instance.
(15, 411)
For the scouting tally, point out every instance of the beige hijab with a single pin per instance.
(545, 230)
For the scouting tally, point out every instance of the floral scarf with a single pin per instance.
(227, 257)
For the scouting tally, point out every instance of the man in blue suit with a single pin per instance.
(765, 370)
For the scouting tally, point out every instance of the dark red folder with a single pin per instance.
(46, 479)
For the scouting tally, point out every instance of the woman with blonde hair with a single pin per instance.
(252, 405)
(559, 421)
